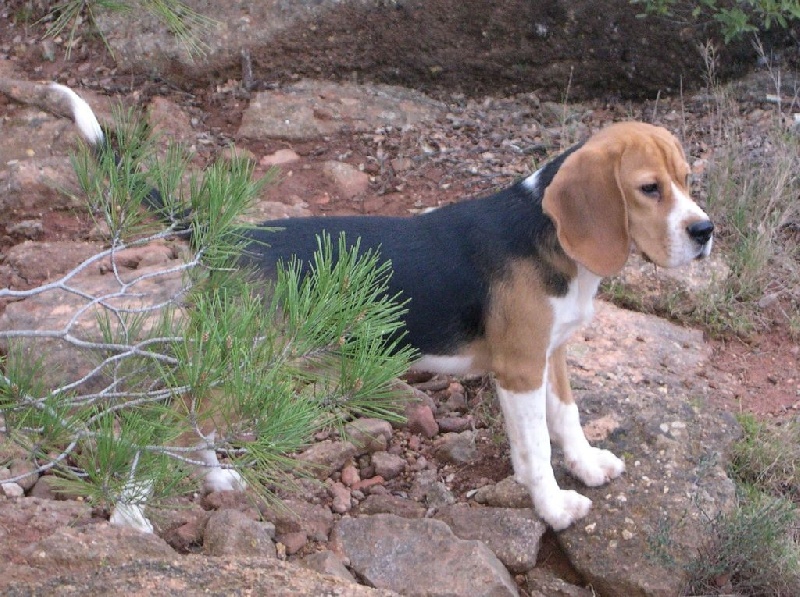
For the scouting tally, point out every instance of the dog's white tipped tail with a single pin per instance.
(82, 114)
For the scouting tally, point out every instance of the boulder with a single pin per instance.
(583, 48)
(419, 557)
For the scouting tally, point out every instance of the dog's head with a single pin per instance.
(628, 184)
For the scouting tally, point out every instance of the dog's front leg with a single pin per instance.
(525, 416)
(591, 465)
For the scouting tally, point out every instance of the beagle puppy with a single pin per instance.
(498, 284)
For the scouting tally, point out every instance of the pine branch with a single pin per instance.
(265, 370)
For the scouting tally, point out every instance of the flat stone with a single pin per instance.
(37, 185)
(645, 526)
(390, 504)
(456, 448)
(193, 574)
(350, 181)
(504, 494)
(231, 532)
(312, 109)
(32, 259)
(99, 544)
(327, 562)
(44, 489)
(513, 534)
(12, 490)
(265, 209)
(545, 584)
(369, 435)
(280, 157)
(230, 500)
(454, 424)
(293, 542)
(327, 457)
(293, 515)
(428, 488)
(55, 310)
(169, 120)
(422, 555)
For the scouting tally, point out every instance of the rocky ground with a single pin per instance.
(427, 508)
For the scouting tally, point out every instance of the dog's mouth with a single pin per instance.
(705, 249)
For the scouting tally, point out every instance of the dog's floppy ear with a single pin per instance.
(586, 202)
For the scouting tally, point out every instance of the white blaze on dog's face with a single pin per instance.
(663, 221)
(627, 185)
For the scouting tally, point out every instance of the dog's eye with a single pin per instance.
(651, 189)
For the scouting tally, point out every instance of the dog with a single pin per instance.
(498, 284)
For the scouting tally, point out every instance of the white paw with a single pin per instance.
(223, 479)
(563, 507)
(132, 516)
(595, 466)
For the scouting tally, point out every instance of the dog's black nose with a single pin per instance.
(700, 232)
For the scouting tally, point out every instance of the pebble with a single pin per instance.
(388, 465)
(350, 475)
(420, 420)
(12, 490)
(369, 483)
(282, 156)
(293, 542)
(369, 435)
(457, 448)
(414, 443)
(454, 424)
(342, 501)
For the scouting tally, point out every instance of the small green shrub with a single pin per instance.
(750, 551)
(753, 550)
(768, 457)
(752, 197)
(735, 19)
(266, 369)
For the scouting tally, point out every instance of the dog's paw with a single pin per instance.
(596, 467)
(131, 516)
(223, 479)
(562, 508)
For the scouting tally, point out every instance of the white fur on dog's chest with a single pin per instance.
(574, 309)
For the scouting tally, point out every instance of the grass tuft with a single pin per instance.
(754, 549)
(768, 457)
(751, 551)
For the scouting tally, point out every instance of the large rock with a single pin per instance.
(513, 534)
(39, 261)
(36, 185)
(96, 545)
(311, 109)
(68, 319)
(584, 47)
(420, 557)
(231, 532)
(639, 375)
(194, 575)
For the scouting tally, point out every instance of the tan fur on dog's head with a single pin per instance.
(627, 184)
